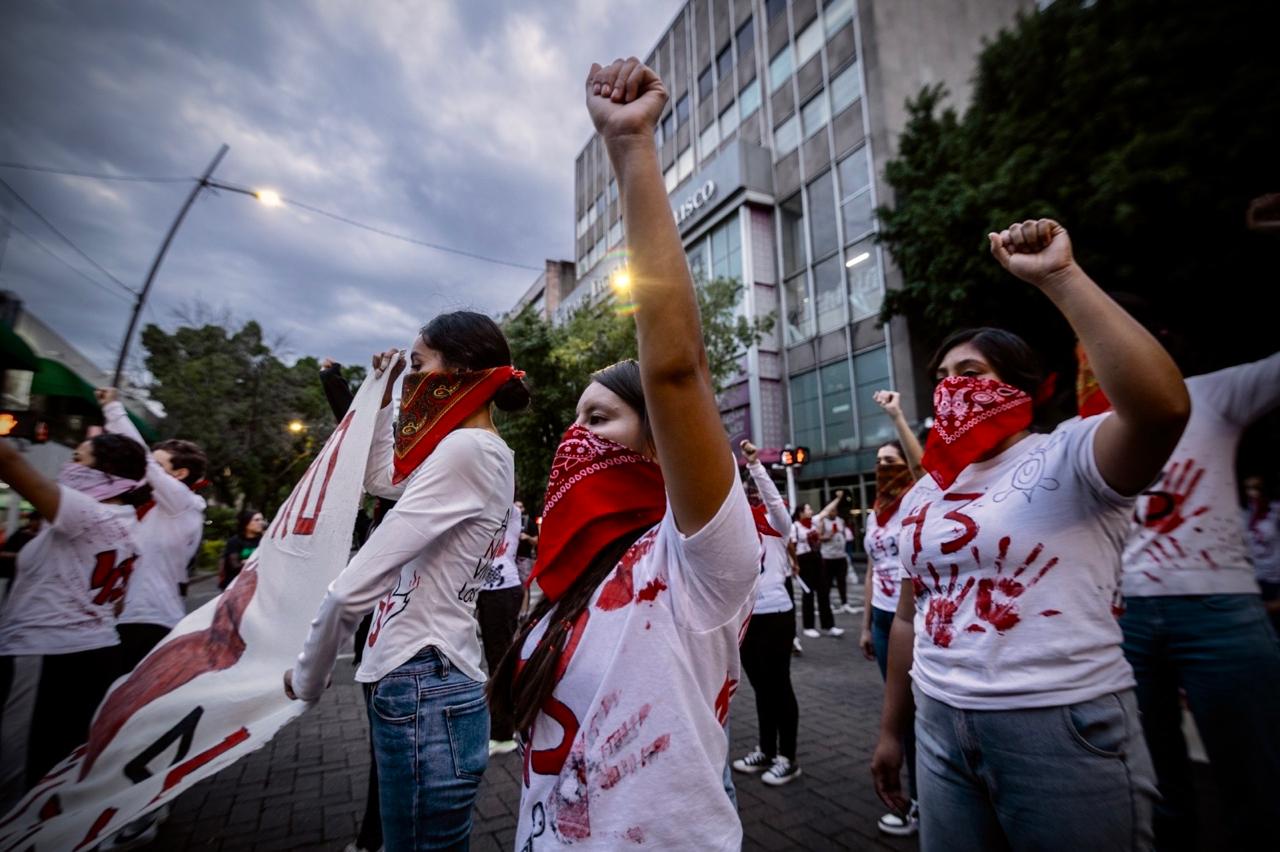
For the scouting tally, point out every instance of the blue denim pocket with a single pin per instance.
(1099, 725)
(395, 699)
(469, 737)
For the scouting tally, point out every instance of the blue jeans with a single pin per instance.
(881, 622)
(1071, 777)
(1222, 651)
(430, 729)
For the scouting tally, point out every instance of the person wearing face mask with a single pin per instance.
(70, 585)
(250, 524)
(620, 683)
(1026, 720)
(806, 540)
(897, 468)
(452, 476)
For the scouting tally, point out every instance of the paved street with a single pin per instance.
(306, 788)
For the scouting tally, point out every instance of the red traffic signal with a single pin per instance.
(794, 456)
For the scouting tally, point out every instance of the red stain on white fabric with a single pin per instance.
(940, 616)
(619, 589)
(1166, 512)
(727, 689)
(997, 600)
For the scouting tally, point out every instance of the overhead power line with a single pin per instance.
(44, 248)
(66, 239)
(95, 175)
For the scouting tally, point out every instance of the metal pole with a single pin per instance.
(791, 486)
(155, 264)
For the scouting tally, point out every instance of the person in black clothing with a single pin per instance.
(249, 527)
(9, 550)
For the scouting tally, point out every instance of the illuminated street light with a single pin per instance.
(854, 261)
(269, 197)
(297, 427)
(621, 280)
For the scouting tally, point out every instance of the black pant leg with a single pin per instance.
(753, 655)
(71, 688)
(498, 613)
(136, 641)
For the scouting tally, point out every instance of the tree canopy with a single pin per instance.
(1145, 127)
(559, 359)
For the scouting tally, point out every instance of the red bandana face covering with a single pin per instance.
(433, 405)
(892, 481)
(1090, 399)
(598, 491)
(972, 417)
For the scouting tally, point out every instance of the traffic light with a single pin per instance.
(795, 456)
(23, 424)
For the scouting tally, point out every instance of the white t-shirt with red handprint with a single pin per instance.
(1186, 536)
(630, 749)
(503, 573)
(1015, 570)
(70, 578)
(881, 543)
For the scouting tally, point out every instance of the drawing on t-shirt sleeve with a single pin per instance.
(1165, 512)
(392, 605)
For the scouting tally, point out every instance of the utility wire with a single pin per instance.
(66, 239)
(95, 282)
(96, 175)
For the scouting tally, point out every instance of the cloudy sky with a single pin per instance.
(452, 121)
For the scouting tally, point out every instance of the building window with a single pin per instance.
(724, 62)
(615, 233)
(591, 215)
(871, 372)
(786, 136)
(582, 224)
(774, 8)
(705, 84)
(806, 421)
(791, 214)
(836, 14)
(749, 99)
(669, 127)
(669, 179)
(837, 407)
(682, 110)
(866, 290)
(746, 36)
(657, 136)
(846, 87)
(698, 262)
(828, 292)
(726, 250)
(613, 190)
(813, 115)
(709, 139)
(729, 120)
(855, 192)
(684, 165)
(780, 68)
(822, 216)
(600, 205)
(808, 43)
(799, 313)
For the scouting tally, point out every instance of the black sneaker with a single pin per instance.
(754, 762)
(782, 772)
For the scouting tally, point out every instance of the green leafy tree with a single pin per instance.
(559, 359)
(227, 391)
(1145, 127)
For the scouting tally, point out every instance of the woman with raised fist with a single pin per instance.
(1026, 722)
(621, 680)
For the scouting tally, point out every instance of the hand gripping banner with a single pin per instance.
(211, 692)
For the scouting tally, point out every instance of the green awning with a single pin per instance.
(15, 354)
(54, 379)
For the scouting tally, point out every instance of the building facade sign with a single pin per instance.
(695, 201)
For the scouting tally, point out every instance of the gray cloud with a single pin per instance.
(453, 122)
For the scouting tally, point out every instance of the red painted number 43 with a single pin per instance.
(109, 578)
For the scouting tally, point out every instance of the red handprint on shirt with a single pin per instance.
(997, 601)
(940, 615)
(1165, 512)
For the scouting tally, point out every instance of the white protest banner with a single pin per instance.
(212, 691)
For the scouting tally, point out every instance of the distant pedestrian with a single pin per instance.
(250, 524)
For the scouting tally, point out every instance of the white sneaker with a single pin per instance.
(811, 633)
(782, 772)
(836, 631)
(501, 747)
(796, 647)
(754, 762)
(897, 826)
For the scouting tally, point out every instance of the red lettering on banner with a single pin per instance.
(916, 519)
(969, 524)
(110, 578)
(95, 829)
(182, 770)
(305, 524)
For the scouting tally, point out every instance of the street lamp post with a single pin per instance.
(155, 264)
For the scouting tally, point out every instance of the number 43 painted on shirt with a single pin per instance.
(969, 525)
(108, 578)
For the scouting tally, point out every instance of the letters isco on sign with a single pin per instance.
(689, 205)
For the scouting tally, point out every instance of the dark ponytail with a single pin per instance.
(467, 340)
(522, 695)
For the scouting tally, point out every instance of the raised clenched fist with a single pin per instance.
(625, 99)
(106, 395)
(890, 401)
(1037, 250)
(750, 451)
